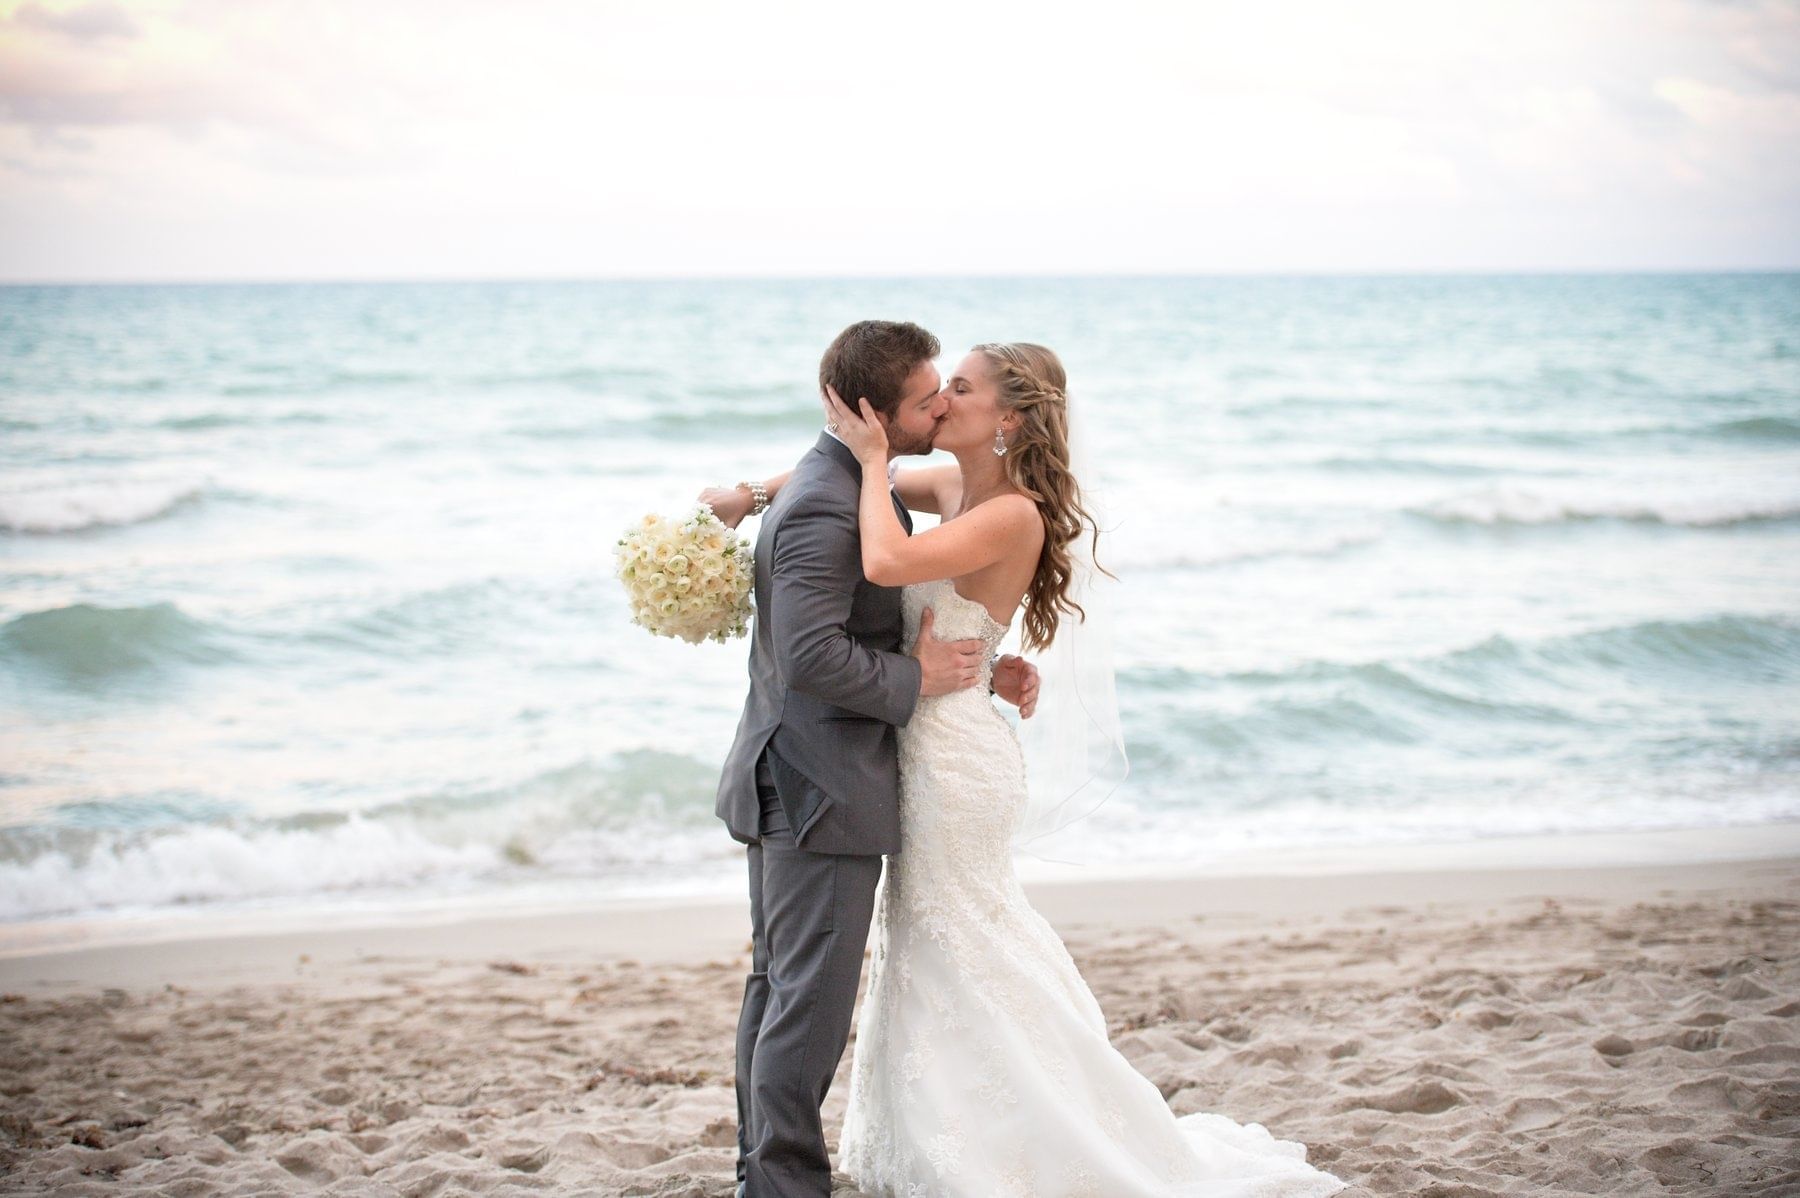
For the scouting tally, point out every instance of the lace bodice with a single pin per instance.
(955, 618)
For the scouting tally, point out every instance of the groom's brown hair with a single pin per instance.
(871, 359)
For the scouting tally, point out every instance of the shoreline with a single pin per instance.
(1301, 884)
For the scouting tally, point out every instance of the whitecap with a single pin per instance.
(1511, 504)
(211, 863)
(75, 507)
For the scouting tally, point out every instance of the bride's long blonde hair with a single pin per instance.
(1031, 382)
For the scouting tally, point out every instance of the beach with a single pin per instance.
(1613, 1014)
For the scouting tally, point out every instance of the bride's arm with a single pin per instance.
(932, 489)
(732, 504)
(891, 558)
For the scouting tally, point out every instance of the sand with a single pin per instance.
(1450, 1031)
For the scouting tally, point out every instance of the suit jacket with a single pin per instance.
(829, 682)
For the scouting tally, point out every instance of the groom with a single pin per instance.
(811, 785)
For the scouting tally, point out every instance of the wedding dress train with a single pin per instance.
(982, 1066)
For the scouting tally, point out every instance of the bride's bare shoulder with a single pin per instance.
(1012, 508)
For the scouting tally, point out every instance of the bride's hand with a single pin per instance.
(860, 430)
(1016, 681)
(729, 504)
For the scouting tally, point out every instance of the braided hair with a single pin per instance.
(1031, 382)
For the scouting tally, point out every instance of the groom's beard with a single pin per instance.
(904, 444)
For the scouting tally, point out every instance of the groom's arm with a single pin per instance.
(813, 576)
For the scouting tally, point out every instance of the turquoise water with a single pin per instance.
(305, 593)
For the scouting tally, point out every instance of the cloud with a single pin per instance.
(632, 136)
(84, 23)
(85, 67)
(1759, 40)
(239, 78)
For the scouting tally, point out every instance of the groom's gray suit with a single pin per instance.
(812, 787)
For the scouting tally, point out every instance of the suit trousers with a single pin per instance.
(809, 925)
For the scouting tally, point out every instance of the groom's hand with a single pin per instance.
(1016, 681)
(945, 666)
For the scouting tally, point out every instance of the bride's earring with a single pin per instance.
(999, 443)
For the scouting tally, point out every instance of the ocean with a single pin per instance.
(307, 607)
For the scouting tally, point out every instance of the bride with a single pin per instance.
(982, 1065)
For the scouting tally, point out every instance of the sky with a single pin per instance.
(274, 139)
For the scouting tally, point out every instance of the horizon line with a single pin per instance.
(997, 276)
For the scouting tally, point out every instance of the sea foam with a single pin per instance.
(211, 863)
(1511, 504)
(93, 505)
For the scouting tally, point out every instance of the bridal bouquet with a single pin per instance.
(689, 579)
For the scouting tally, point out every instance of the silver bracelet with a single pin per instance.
(759, 497)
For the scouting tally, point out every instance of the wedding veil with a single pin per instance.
(1074, 743)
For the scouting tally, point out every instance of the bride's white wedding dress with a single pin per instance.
(982, 1066)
